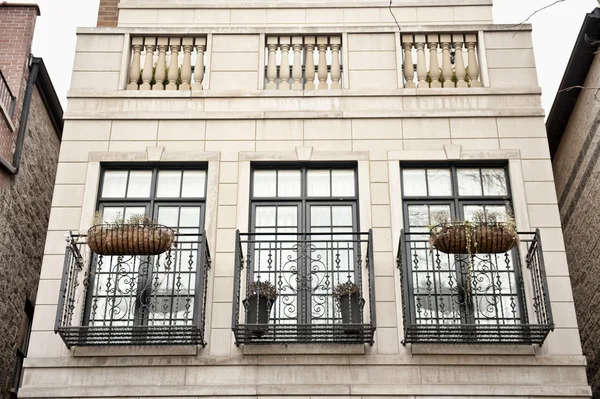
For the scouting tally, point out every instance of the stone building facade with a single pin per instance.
(308, 144)
(30, 131)
(573, 133)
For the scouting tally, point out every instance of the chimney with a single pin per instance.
(108, 13)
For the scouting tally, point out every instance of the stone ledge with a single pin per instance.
(303, 349)
(383, 27)
(237, 94)
(131, 350)
(242, 115)
(571, 391)
(449, 349)
(296, 3)
(360, 360)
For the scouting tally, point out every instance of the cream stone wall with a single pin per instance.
(373, 121)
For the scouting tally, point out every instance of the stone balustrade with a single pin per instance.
(303, 63)
(442, 60)
(167, 63)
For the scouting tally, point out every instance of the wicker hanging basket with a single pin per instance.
(130, 239)
(452, 238)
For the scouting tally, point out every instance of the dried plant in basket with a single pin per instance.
(485, 233)
(138, 235)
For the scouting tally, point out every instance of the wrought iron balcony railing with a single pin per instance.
(304, 270)
(134, 300)
(448, 298)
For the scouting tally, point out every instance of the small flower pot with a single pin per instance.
(130, 239)
(258, 310)
(484, 239)
(351, 307)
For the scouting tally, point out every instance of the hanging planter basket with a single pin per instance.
(472, 238)
(130, 239)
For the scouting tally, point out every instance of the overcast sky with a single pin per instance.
(554, 33)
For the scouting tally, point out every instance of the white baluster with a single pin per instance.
(336, 70)
(148, 72)
(161, 65)
(445, 42)
(409, 68)
(309, 72)
(186, 67)
(272, 42)
(421, 66)
(284, 68)
(297, 64)
(434, 65)
(199, 68)
(137, 45)
(459, 62)
(174, 64)
(322, 42)
(471, 42)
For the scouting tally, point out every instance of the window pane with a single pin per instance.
(472, 210)
(469, 182)
(414, 182)
(318, 183)
(168, 215)
(115, 182)
(193, 184)
(139, 184)
(265, 183)
(190, 217)
(169, 183)
(439, 182)
(110, 214)
(265, 216)
(497, 210)
(342, 215)
(342, 183)
(494, 182)
(320, 216)
(418, 215)
(439, 214)
(287, 216)
(288, 184)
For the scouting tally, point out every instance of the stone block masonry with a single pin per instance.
(24, 211)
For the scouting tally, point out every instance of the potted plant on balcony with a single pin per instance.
(258, 303)
(350, 304)
(138, 235)
(485, 233)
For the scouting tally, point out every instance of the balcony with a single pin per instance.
(305, 271)
(134, 300)
(449, 299)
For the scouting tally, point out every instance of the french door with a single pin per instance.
(453, 288)
(157, 290)
(303, 241)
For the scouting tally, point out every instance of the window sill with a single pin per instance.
(472, 349)
(132, 350)
(304, 349)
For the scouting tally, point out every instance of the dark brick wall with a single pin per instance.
(577, 175)
(108, 13)
(25, 203)
(17, 23)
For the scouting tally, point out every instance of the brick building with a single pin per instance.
(573, 127)
(30, 131)
(298, 150)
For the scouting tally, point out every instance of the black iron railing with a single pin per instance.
(134, 300)
(304, 269)
(449, 298)
(7, 98)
